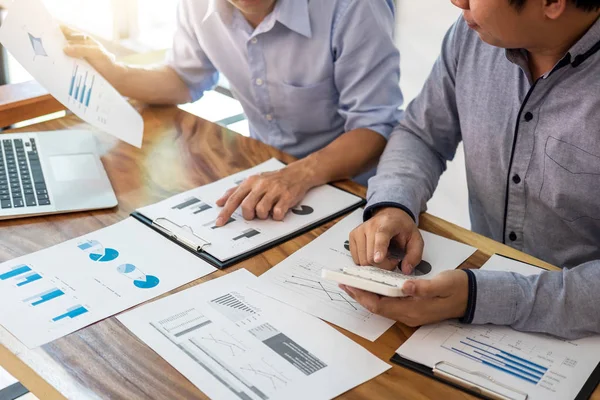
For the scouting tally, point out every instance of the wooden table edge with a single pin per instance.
(27, 376)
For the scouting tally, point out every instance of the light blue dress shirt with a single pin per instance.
(311, 71)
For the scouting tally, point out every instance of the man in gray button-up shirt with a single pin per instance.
(529, 119)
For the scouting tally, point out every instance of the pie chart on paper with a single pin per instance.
(109, 255)
(150, 282)
(303, 210)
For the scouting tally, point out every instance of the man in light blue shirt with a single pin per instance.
(317, 79)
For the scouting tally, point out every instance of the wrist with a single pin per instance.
(117, 77)
(309, 171)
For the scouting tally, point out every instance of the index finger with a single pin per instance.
(232, 204)
(414, 253)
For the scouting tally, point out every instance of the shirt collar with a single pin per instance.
(587, 42)
(221, 7)
(294, 15)
(578, 53)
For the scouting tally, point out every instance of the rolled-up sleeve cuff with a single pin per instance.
(495, 298)
(197, 82)
(382, 121)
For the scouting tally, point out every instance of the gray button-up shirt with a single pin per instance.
(532, 153)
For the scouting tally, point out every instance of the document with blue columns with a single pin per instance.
(51, 293)
(35, 39)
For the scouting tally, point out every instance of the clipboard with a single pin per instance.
(480, 391)
(184, 237)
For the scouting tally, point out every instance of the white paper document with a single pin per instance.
(197, 210)
(34, 38)
(297, 280)
(234, 343)
(54, 292)
(536, 365)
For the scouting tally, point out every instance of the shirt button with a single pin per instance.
(269, 117)
(512, 236)
(528, 116)
(516, 179)
(259, 82)
(254, 40)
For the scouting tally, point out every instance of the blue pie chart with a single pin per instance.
(109, 255)
(150, 282)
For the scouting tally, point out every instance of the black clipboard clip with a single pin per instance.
(181, 233)
(478, 382)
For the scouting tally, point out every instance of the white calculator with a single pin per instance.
(371, 279)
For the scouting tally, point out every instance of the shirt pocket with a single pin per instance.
(571, 185)
(306, 109)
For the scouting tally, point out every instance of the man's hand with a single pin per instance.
(270, 193)
(369, 243)
(84, 47)
(441, 298)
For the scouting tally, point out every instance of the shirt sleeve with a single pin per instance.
(564, 303)
(186, 56)
(426, 138)
(367, 67)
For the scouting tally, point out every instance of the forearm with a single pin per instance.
(564, 303)
(349, 155)
(159, 85)
(407, 175)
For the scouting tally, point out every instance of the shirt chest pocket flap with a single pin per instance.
(309, 108)
(571, 181)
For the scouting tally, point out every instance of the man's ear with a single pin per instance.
(553, 9)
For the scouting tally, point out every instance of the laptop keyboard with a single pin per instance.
(22, 182)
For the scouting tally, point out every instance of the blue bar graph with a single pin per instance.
(73, 80)
(501, 360)
(71, 313)
(31, 277)
(44, 297)
(77, 88)
(84, 86)
(80, 89)
(89, 93)
(16, 271)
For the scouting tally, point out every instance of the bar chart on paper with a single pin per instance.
(81, 87)
(511, 354)
(71, 313)
(44, 297)
(87, 95)
(21, 275)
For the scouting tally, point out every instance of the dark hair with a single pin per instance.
(586, 5)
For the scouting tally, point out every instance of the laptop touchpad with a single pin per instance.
(74, 167)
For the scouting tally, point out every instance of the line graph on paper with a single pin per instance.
(225, 341)
(272, 379)
(318, 286)
(304, 279)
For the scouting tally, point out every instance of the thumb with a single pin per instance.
(436, 287)
(414, 253)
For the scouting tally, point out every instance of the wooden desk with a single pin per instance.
(180, 152)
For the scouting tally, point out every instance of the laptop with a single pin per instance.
(50, 173)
